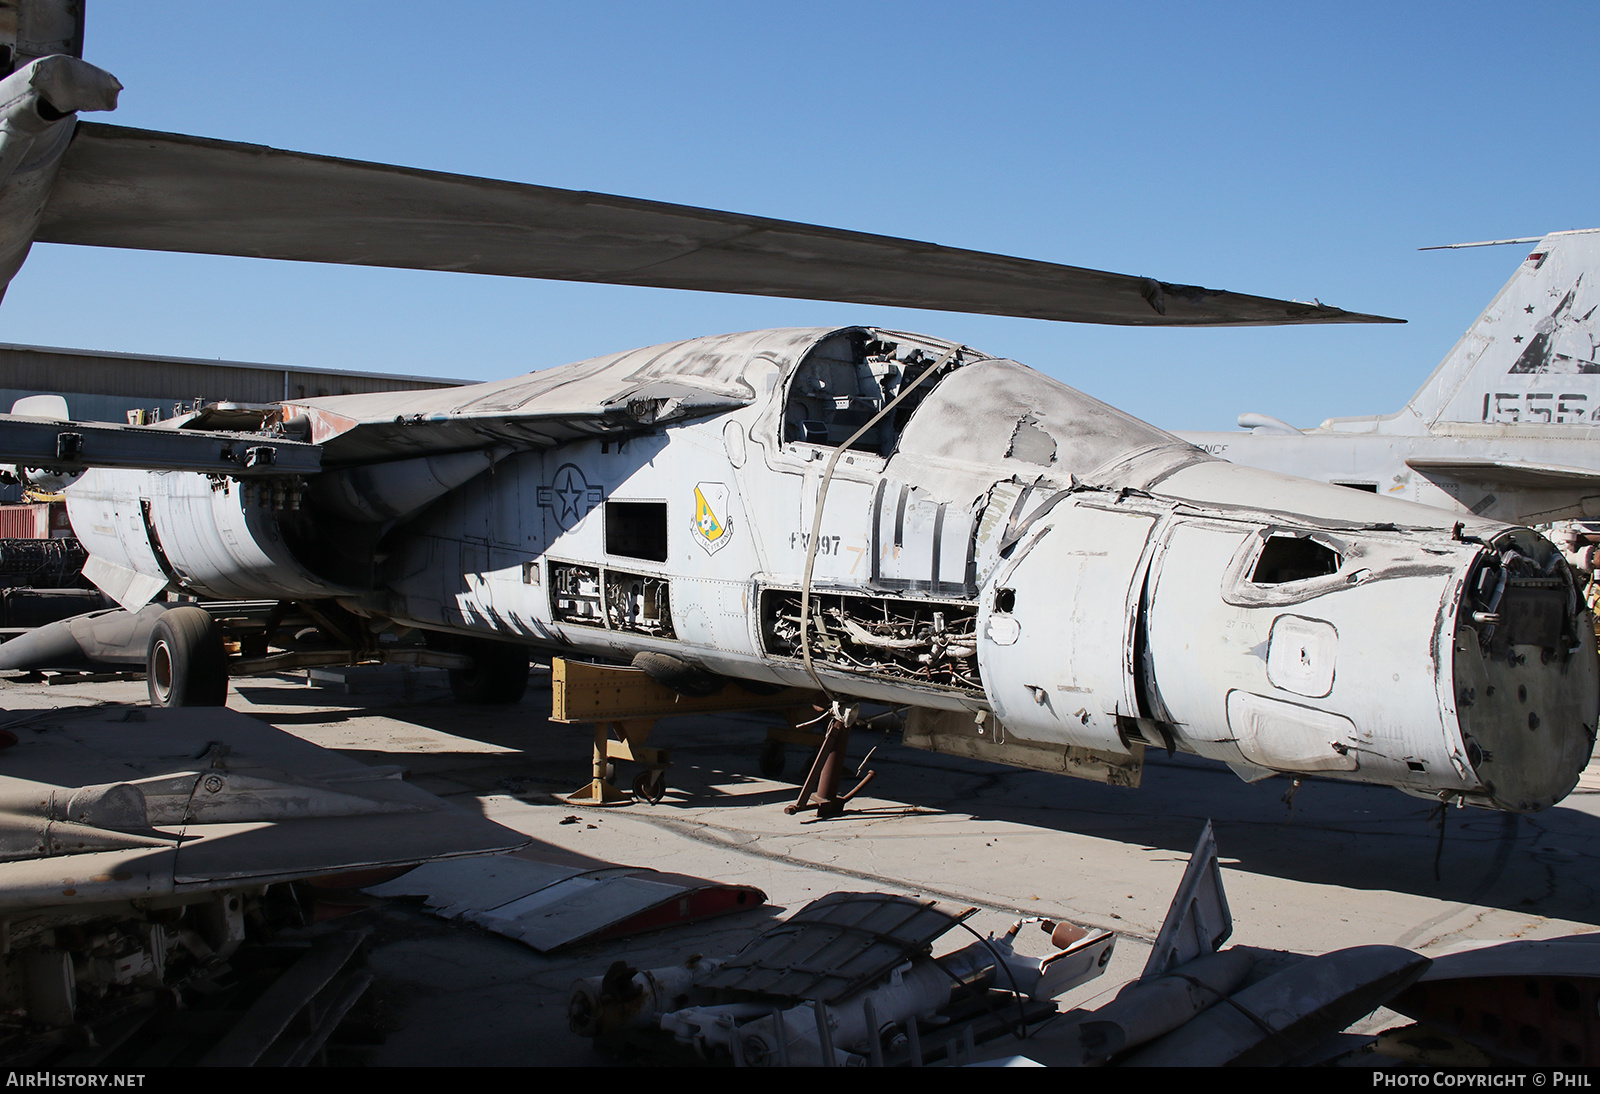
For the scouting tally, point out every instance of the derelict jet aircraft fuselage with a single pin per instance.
(1040, 578)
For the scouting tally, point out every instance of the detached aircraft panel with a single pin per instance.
(1059, 627)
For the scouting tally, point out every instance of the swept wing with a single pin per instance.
(120, 187)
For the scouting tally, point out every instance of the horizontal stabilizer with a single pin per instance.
(168, 192)
(1504, 472)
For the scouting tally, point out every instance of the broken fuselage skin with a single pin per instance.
(1043, 579)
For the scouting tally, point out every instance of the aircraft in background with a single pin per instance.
(1505, 428)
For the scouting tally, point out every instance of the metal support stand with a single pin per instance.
(624, 740)
(624, 705)
(821, 788)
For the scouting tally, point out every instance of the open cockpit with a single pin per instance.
(848, 377)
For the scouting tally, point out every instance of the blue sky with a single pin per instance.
(1294, 150)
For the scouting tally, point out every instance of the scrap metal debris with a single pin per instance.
(145, 869)
(549, 902)
(848, 980)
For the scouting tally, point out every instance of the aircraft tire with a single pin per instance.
(499, 674)
(186, 665)
(687, 680)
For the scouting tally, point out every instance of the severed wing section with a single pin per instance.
(134, 188)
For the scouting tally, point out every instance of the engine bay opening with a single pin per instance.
(915, 641)
(613, 599)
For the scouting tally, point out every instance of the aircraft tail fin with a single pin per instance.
(1198, 921)
(1533, 356)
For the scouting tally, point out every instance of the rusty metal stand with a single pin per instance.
(821, 788)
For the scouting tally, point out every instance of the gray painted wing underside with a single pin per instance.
(168, 192)
(1504, 472)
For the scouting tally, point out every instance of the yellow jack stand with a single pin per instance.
(629, 744)
(624, 706)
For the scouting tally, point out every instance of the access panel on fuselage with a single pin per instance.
(1058, 624)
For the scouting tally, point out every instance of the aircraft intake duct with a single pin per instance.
(228, 538)
(93, 640)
